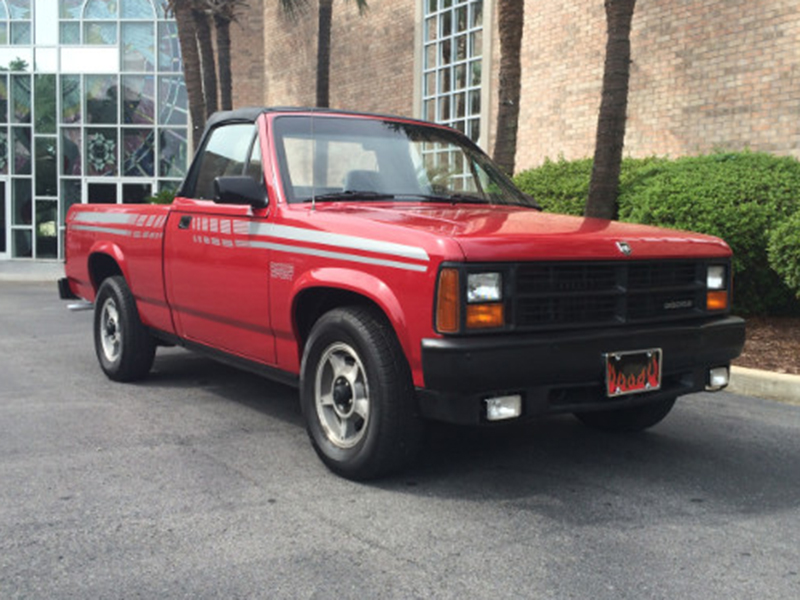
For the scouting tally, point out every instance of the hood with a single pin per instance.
(507, 233)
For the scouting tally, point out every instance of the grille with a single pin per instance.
(601, 293)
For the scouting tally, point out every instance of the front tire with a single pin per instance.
(634, 418)
(357, 396)
(124, 347)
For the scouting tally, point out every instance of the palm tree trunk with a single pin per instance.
(604, 185)
(207, 57)
(187, 38)
(510, 18)
(324, 53)
(223, 26)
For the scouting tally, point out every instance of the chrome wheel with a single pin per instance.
(342, 395)
(110, 332)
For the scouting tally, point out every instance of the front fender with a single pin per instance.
(362, 284)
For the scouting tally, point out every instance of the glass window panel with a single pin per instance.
(100, 33)
(101, 193)
(138, 47)
(461, 47)
(3, 14)
(21, 96)
(19, 9)
(22, 151)
(45, 103)
(21, 207)
(173, 153)
(461, 77)
(70, 34)
(138, 152)
(475, 68)
(3, 157)
(446, 21)
(172, 101)
(447, 3)
(101, 151)
(474, 129)
(430, 56)
(136, 9)
(20, 33)
(71, 151)
(100, 9)
(445, 80)
(429, 110)
(444, 108)
(447, 53)
(3, 99)
(138, 99)
(461, 18)
(432, 6)
(475, 102)
(101, 98)
(225, 154)
(3, 33)
(430, 29)
(22, 247)
(70, 9)
(70, 99)
(46, 166)
(169, 53)
(430, 84)
(70, 194)
(46, 229)
(476, 13)
(461, 105)
(136, 193)
(476, 43)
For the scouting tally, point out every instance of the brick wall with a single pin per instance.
(372, 57)
(247, 55)
(706, 75)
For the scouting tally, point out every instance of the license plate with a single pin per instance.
(633, 372)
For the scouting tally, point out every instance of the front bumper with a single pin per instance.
(564, 371)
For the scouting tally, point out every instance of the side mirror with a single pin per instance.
(239, 189)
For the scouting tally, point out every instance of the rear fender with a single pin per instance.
(112, 251)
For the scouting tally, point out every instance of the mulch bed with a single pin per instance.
(772, 344)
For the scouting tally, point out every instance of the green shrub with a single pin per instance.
(784, 252)
(165, 196)
(739, 197)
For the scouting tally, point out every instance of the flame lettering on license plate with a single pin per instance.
(632, 372)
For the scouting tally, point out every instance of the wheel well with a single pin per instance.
(102, 266)
(314, 303)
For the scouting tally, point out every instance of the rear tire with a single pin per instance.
(124, 347)
(357, 396)
(634, 418)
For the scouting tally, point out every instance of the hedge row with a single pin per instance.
(752, 200)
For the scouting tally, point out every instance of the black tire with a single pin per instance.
(357, 396)
(124, 347)
(634, 418)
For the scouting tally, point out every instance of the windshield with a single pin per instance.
(329, 158)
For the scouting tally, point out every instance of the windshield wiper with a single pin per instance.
(351, 195)
(453, 198)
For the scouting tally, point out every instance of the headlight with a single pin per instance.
(715, 278)
(484, 287)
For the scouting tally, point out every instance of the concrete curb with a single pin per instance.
(765, 384)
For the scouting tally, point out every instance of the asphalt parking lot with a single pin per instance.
(201, 483)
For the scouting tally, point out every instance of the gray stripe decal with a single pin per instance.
(113, 230)
(351, 242)
(104, 218)
(337, 255)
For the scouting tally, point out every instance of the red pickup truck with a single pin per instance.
(392, 272)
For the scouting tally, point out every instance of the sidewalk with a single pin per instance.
(31, 270)
(748, 382)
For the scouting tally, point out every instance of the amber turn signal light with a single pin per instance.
(717, 300)
(482, 316)
(448, 313)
